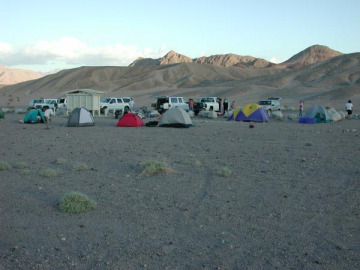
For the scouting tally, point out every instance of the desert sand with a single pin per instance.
(291, 202)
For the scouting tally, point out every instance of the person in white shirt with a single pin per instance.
(349, 108)
(47, 114)
(132, 104)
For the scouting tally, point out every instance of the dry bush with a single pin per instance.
(151, 167)
(4, 166)
(76, 202)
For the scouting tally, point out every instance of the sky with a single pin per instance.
(49, 35)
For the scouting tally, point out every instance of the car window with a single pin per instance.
(105, 100)
(119, 100)
(126, 100)
(173, 100)
(113, 101)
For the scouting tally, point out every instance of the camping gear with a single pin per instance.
(316, 114)
(34, 116)
(2, 114)
(130, 120)
(80, 117)
(175, 117)
(152, 124)
(251, 112)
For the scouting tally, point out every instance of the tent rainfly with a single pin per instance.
(80, 117)
(251, 112)
(175, 117)
(316, 114)
(83, 98)
(130, 120)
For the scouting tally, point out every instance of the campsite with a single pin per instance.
(280, 195)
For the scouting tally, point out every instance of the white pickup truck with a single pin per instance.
(114, 104)
(206, 104)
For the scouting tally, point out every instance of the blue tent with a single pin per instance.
(32, 116)
(250, 113)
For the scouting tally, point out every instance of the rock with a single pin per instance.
(212, 115)
(202, 114)
(277, 115)
(191, 113)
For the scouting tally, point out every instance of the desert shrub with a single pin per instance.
(153, 167)
(225, 172)
(61, 161)
(198, 163)
(80, 167)
(20, 165)
(48, 173)
(25, 172)
(76, 202)
(308, 144)
(4, 166)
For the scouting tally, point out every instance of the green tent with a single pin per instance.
(319, 114)
(32, 116)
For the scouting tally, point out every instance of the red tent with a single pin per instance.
(130, 120)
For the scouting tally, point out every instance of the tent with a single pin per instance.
(334, 115)
(235, 113)
(80, 117)
(34, 116)
(251, 112)
(316, 114)
(130, 120)
(175, 117)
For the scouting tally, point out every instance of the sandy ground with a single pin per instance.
(291, 202)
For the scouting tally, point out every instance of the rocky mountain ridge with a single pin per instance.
(311, 55)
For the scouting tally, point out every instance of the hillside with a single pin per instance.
(12, 76)
(309, 56)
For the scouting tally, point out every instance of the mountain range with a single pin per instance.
(316, 73)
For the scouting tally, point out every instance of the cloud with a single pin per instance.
(276, 60)
(72, 51)
(5, 49)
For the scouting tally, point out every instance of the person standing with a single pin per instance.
(233, 105)
(349, 108)
(132, 104)
(47, 114)
(301, 108)
(221, 104)
(226, 104)
(191, 104)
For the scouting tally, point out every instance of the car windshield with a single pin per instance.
(265, 102)
(105, 100)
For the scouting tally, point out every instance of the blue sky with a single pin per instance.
(48, 35)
